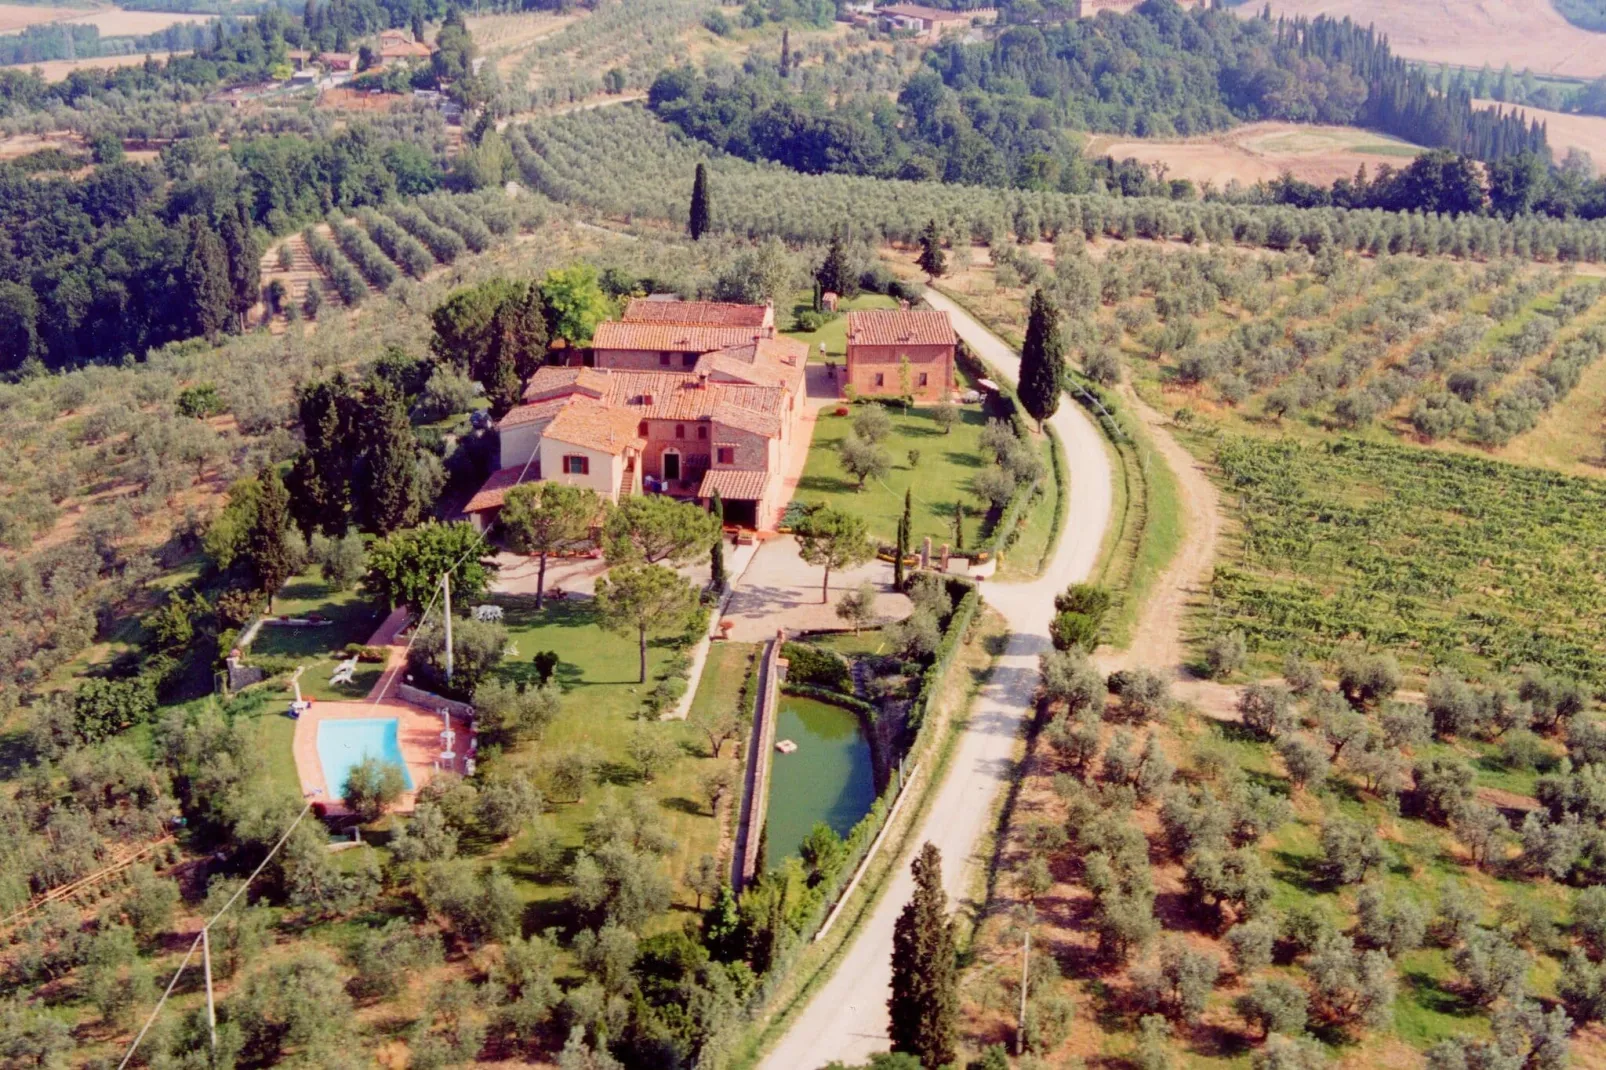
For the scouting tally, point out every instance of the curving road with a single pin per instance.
(847, 1018)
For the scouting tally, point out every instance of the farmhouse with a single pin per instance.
(723, 421)
(399, 44)
(893, 352)
(930, 23)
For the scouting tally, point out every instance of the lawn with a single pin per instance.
(1028, 555)
(601, 704)
(835, 331)
(355, 619)
(942, 478)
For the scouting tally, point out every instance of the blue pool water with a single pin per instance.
(342, 744)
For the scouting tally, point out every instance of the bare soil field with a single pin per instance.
(22, 144)
(1523, 33)
(111, 21)
(115, 22)
(1260, 152)
(1587, 133)
(57, 69)
(13, 17)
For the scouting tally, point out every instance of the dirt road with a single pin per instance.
(847, 1018)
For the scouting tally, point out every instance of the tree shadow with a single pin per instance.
(681, 804)
(963, 460)
(827, 485)
(1430, 994)
(1299, 871)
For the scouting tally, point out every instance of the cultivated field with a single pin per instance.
(13, 17)
(1260, 152)
(1523, 33)
(504, 38)
(111, 21)
(57, 69)
(1587, 133)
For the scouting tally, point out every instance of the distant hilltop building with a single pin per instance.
(926, 23)
(1086, 9)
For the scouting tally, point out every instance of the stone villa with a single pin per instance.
(685, 398)
(888, 346)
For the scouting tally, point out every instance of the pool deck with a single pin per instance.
(418, 730)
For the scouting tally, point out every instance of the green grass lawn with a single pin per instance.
(597, 672)
(947, 465)
(835, 332)
(1035, 538)
(355, 618)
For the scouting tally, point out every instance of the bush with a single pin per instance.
(812, 665)
(1224, 655)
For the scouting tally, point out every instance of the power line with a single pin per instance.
(201, 936)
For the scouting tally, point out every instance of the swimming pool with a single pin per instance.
(342, 744)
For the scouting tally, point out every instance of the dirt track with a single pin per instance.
(1523, 33)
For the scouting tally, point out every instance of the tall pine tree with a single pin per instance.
(245, 264)
(700, 213)
(206, 280)
(932, 261)
(1042, 359)
(266, 552)
(387, 490)
(786, 53)
(904, 534)
(835, 276)
(716, 553)
(924, 1007)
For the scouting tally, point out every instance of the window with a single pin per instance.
(702, 432)
(727, 455)
(688, 359)
(680, 430)
(924, 379)
(641, 429)
(576, 464)
(663, 359)
(880, 379)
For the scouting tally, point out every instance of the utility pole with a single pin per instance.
(206, 960)
(446, 586)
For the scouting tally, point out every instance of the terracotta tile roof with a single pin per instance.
(494, 491)
(551, 382)
(752, 421)
(767, 362)
(734, 484)
(669, 337)
(705, 313)
(542, 412)
(595, 426)
(892, 327)
(929, 14)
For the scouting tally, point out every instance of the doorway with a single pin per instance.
(671, 466)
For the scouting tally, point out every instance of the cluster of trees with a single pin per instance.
(1188, 72)
(1451, 183)
(67, 40)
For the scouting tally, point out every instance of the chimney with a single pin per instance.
(903, 304)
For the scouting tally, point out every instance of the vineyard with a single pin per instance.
(1442, 558)
(624, 163)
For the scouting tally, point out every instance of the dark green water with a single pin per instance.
(828, 778)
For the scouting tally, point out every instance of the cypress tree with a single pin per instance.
(1042, 360)
(206, 281)
(786, 53)
(505, 388)
(245, 265)
(932, 261)
(904, 533)
(834, 276)
(388, 490)
(265, 548)
(698, 224)
(924, 1007)
(716, 554)
(527, 330)
(959, 525)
